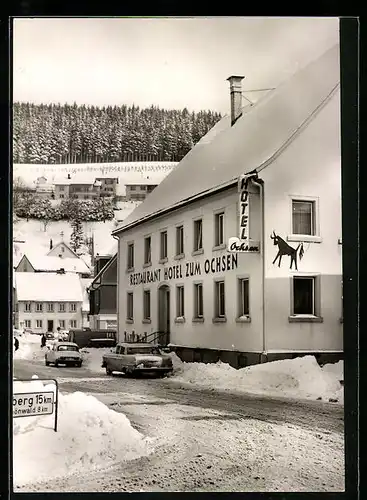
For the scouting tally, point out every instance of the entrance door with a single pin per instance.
(50, 325)
(164, 314)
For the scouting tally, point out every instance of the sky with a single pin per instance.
(167, 62)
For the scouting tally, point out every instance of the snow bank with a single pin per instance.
(89, 435)
(30, 347)
(300, 377)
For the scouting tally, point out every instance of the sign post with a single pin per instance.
(32, 404)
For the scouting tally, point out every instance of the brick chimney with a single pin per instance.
(235, 88)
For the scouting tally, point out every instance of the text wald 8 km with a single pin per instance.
(35, 403)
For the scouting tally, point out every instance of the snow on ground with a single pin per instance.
(301, 378)
(90, 435)
(298, 378)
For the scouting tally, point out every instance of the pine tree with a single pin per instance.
(77, 237)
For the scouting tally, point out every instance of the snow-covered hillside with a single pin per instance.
(125, 171)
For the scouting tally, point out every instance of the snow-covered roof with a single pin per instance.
(48, 287)
(62, 243)
(226, 151)
(50, 263)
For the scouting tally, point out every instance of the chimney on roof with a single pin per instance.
(235, 88)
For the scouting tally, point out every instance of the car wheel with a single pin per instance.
(56, 364)
(108, 371)
(79, 364)
(47, 363)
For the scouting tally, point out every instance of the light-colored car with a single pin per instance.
(137, 357)
(63, 353)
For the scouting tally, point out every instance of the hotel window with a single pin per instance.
(198, 235)
(148, 250)
(73, 307)
(38, 323)
(180, 302)
(219, 229)
(72, 323)
(61, 307)
(243, 296)
(38, 306)
(27, 323)
(219, 305)
(304, 295)
(130, 256)
(130, 306)
(146, 304)
(62, 323)
(179, 240)
(198, 301)
(27, 307)
(50, 307)
(163, 254)
(303, 217)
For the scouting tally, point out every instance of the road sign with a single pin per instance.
(32, 404)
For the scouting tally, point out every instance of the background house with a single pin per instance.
(46, 264)
(108, 186)
(61, 249)
(139, 190)
(48, 300)
(103, 297)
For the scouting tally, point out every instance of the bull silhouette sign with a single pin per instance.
(285, 249)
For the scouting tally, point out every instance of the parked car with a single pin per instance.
(17, 332)
(137, 357)
(63, 353)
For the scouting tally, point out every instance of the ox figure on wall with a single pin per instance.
(285, 249)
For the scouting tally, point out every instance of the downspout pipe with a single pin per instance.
(260, 183)
(118, 288)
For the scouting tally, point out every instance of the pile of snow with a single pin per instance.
(300, 377)
(89, 435)
(30, 347)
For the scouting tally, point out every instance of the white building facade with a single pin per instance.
(46, 301)
(282, 296)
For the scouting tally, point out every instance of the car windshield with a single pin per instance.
(142, 350)
(67, 348)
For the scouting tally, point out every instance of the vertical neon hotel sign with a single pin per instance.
(242, 243)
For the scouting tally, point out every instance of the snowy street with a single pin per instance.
(206, 440)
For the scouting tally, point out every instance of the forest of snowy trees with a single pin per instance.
(86, 134)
